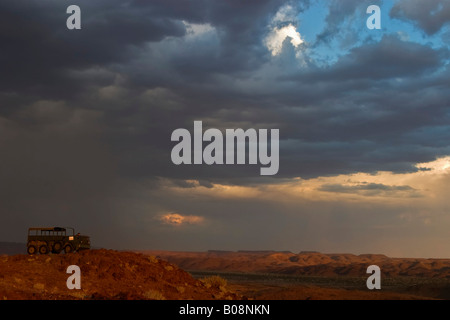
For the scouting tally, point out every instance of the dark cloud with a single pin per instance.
(431, 16)
(370, 189)
(389, 58)
(38, 49)
(132, 63)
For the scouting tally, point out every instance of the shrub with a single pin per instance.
(215, 282)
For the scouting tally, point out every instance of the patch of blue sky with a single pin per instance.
(312, 21)
(352, 32)
(408, 31)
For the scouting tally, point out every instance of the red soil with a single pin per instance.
(105, 274)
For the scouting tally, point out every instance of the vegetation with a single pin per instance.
(215, 282)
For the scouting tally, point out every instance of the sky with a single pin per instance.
(86, 118)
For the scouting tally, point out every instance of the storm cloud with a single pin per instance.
(430, 16)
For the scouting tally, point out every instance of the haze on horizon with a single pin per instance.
(86, 118)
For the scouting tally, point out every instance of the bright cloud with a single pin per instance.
(282, 26)
(197, 29)
(176, 219)
(275, 39)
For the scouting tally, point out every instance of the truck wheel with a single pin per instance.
(68, 249)
(57, 247)
(43, 249)
(31, 250)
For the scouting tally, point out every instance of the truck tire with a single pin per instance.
(68, 249)
(43, 249)
(31, 250)
(57, 247)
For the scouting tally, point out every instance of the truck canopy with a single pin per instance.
(39, 230)
(48, 229)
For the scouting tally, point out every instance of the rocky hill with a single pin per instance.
(105, 274)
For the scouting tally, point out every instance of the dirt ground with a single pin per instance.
(105, 274)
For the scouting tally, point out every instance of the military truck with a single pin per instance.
(55, 240)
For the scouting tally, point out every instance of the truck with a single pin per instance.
(55, 240)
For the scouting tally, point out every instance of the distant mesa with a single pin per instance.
(219, 251)
(262, 251)
(373, 256)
